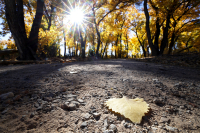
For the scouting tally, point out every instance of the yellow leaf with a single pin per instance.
(133, 109)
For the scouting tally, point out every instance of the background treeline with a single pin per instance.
(112, 28)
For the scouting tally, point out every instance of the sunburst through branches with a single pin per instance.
(76, 15)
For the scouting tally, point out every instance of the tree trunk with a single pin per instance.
(165, 35)
(69, 51)
(76, 49)
(106, 54)
(93, 38)
(127, 44)
(98, 34)
(148, 51)
(101, 50)
(64, 46)
(120, 49)
(98, 42)
(64, 38)
(143, 49)
(171, 43)
(187, 48)
(27, 47)
(111, 52)
(153, 50)
(157, 35)
(15, 19)
(64, 43)
(116, 42)
(50, 17)
(33, 37)
(141, 43)
(104, 50)
(173, 39)
(83, 45)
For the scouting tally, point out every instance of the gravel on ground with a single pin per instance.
(70, 97)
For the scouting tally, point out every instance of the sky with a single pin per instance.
(5, 37)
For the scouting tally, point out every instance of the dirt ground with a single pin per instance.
(69, 97)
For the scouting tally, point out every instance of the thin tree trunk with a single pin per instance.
(69, 51)
(157, 35)
(93, 36)
(98, 34)
(165, 35)
(153, 50)
(148, 50)
(63, 36)
(106, 54)
(143, 49)
(141, 43)
(83, 45)
(127, 43)
(74, 45)
(111, 51)
(171, 43)
(116, 42)
(120, 49)
(64, 45)
(187, 48)
(33, 37)
(101, 50)
(50, 17)
(104, 50)
(76, 49)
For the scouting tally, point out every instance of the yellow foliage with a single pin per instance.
(47, 38)
(1, 46)
(8, 43)
(135, 45)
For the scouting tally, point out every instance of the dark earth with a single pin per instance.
(69, 97)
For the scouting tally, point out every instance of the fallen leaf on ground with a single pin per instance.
(133, 109)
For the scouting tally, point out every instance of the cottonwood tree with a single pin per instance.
(27, 46)
(137, 22)
(170, 17)
(101, 9)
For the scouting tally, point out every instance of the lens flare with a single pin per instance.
(76, 16)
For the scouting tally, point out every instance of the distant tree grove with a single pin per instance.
(111, 29)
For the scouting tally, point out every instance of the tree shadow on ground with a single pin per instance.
(40, 77)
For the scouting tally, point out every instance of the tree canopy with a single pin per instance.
(109, 28)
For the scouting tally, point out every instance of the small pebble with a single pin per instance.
(32, 115)
(87, 116)
(96, 115)
(80, 101)
(172, 129)
(83, 125)
(113, 127)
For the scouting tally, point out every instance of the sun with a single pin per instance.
(76, 16)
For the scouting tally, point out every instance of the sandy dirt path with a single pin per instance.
(69, 97)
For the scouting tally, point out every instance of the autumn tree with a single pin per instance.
(185, 20)
(137, 22)
(168, 16)
(27, 46)
(101, 9)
